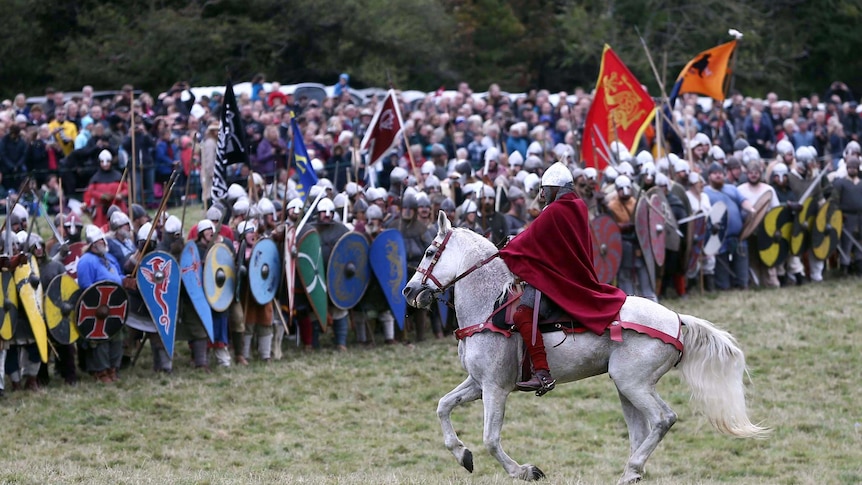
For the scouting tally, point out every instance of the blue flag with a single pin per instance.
(307, 177)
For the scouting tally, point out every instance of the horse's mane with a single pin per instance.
(487, 248)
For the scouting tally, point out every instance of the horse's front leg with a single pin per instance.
(494, 400)
(467, 391)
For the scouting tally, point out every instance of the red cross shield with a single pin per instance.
(102, 310)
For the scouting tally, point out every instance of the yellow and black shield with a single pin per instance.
(61, 299)
(827, 230)
(773, 236)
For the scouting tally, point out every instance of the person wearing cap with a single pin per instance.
(330, 231)
(373, 306)
(847, 196)
(558, 276)
(256, 318)
(516, 217)
(632, 277)
(106, 187)
(103, 357)
(121, 239)
(731, 262)
(342, 86)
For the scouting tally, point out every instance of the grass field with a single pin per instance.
(368, 415)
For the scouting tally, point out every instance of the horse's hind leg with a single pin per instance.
(635, 382)
(467, 391)
(494, 401)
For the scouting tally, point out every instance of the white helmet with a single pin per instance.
(591, 174)
(246, 226)
(240, 207)
(852, 148)
(91, 232)
(661, 180)
(492, 154)
(119, 219)
(469, 206)
(750, 153)
(173, 225)
(325, 183)
(351, 188)
(681, 165)
(294, 204)
(625, 168)
(516, 159)
(235, 191)
(804, 155)
(144, 231)
(780, 169)
(205, 224)
(373, 212)
(340, 200)
(398, 174)
(535, 148)
(610, 174)
(783, 147)
(265, 206)
(623, 183)
(427, 168)
(557, 175)
(702, 139)
(487, 192)
(644, 157)
(531, 181)
(662, 165)
(717, 153)
(316, 164)
(326, 205)
(648, 169)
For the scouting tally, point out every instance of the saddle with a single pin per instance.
(504, 310)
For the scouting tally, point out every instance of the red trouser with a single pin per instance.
(523, 320)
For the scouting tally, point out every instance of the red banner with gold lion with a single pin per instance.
(621, 111)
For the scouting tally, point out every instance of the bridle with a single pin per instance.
(427, 272)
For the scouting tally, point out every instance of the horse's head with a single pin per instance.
(437, 268)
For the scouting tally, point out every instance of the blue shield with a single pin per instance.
(348, 272)
(219, 277)
(388, 258)
(192, 270)
(159, 285)
(264, 271)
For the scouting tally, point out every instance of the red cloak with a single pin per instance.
(555, 255)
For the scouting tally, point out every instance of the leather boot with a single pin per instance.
(32, 384)
(709, 282)
(114, 374)
(541, 382)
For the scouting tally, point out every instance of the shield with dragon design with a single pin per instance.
(159, 284)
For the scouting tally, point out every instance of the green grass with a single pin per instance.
(368, 415)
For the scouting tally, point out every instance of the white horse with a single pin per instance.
(712, 363)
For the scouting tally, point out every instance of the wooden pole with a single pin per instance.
(164, 203)
(132, 161)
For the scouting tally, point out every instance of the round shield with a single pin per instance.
(827, 230)
(60, 309)
(642, 230)
(9, 307)
(607, 247)
(71, 259)
(219, 277)
(773, 236)
(102, 310)
(760, 208)
(348, 272)
(697, 228)
(657, 228)
(672, 238)
(716, 225)
(264, 270)
(800, 237)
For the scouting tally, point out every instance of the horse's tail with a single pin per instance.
(714, 366)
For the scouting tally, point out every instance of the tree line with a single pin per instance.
(792, 47)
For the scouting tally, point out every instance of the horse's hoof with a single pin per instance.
(467, 460)
(533, 473)
(633, 478)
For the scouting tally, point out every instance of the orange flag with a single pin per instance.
(621, 110)
(706, 73)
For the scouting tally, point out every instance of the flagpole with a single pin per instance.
(131, 193)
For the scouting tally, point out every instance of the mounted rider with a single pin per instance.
(563, 272)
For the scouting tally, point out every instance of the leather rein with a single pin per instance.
(427, 273)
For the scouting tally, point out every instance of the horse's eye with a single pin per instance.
(429, 253)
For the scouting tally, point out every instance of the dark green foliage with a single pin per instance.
(790, 46)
